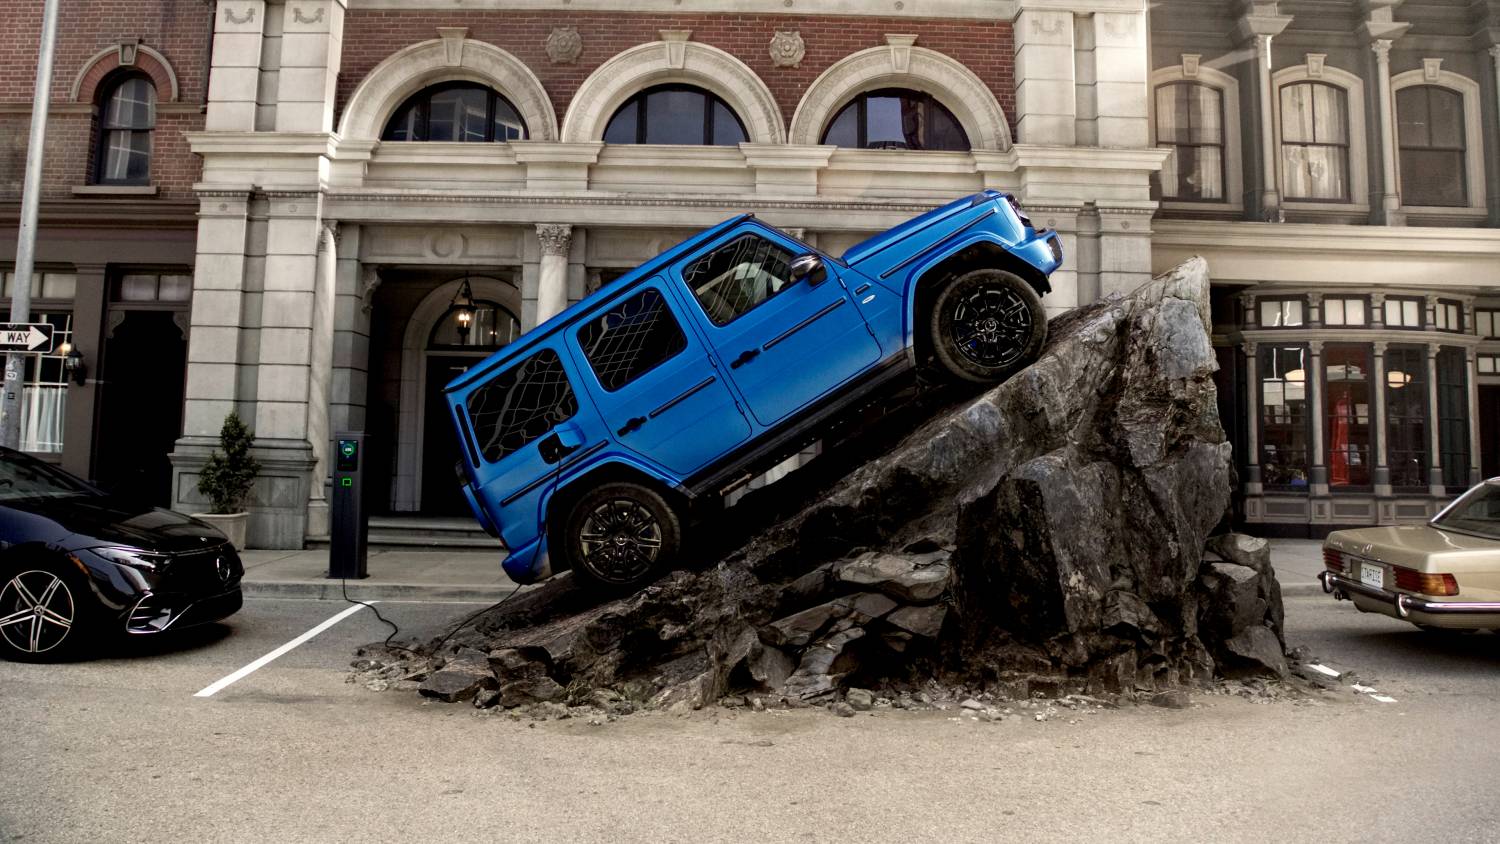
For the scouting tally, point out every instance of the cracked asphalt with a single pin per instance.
(119, 749)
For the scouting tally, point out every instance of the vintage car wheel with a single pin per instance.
(622, 534)
(46, 612)
(986, 324)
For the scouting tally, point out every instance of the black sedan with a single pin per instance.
(77, 565)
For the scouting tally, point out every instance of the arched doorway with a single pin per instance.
(453, 328)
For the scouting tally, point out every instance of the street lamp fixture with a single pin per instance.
(464, 302)
(73, 364)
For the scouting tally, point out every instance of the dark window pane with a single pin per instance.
(127, 156)
(943, 130)
(403, 124)
(508, 124)
(1347, 411)
(1406, 415)
(631, 339)
(1433, 177)
(458, 114)
(844, 130)
(727, 131)
(675, 117)
(1453, 416)
(1447, 110)
(621, 128)
(489, 326)
(1283, 416)
(132, 105)
(734, 278)
(521, 404)
(1413, 122)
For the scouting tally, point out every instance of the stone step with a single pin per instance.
(422, 534)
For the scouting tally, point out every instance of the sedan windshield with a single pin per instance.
(1477, 512)
(23, 477)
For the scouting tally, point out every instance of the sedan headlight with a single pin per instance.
(133, 557)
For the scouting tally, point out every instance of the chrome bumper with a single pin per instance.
(1342, 587)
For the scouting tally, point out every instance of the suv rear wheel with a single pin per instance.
(987, 324)
(621, 534)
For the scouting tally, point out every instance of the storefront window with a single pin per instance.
(1486, 322)
(1283, 416)
(1403, 312)
(1453, 416)
(1347, 414)
(1343, 311)
(1406, 432)
(1449, 315)
(44, 394)
(1280, 313)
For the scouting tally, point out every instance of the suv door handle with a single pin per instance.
(633, 425)
(744, 358)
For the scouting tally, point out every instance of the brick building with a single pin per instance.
(365, 163)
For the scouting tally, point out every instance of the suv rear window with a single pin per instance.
(521, 404)
(738, 276)
(631, 338)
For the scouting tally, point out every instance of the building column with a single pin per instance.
(90, 299)
(1471, 359)
(552, 277)
(312, 34)
(1270, 193)
(234, 73)
(351, 334)
(1046, 96)
(320, 379)
(1435, 485)
(1389, 211)
(1382, 474)
(1317, 480)
(1494, 196)
(1252, 419)
(1124, 249)
(1121, 80)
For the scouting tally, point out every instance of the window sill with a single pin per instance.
(114, 190)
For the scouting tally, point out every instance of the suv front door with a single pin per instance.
(785, 344)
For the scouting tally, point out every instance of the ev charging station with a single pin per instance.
(348, 533)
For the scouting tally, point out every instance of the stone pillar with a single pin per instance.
(1493, 194)
(90, 299)
(351, 334)
(1124, 249)
(320, 379)
(1270, 193)
(552, 280)
(1471, 355)
(1317, 480)
(1382, 474)
(1434, 430)
(1066, 290)
(1121, 80)
(1389, 211)
(1252, 419)
(1377, 310)
(1046, 97)
(234, 70)
(311, 46)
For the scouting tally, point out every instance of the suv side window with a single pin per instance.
(737, 276)
(631, 338)
(521, 404)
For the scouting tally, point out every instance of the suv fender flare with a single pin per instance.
(918, 283)
(609, 468)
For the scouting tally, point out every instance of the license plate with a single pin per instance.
(1372, 575)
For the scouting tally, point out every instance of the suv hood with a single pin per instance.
(108, 520)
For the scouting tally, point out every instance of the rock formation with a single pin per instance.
(1047, 536)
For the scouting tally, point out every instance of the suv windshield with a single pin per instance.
(23, 477)
(1477, 512)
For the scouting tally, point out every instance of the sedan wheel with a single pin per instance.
(38, 615)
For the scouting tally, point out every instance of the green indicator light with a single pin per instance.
(346, 482)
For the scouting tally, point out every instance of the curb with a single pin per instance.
(1301, 589)
(331, 590)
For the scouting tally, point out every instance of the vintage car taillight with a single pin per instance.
(1423, 583)
(1334, 561)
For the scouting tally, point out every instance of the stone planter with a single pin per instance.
(232, 525)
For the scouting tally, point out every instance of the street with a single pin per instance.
(121, 749)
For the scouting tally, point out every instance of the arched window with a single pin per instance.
(675, 114)
(1190, 122)
(127, 116)
(1433, 152)
(896, 118)
(487, 325)
(1315, 141)
(455, 111)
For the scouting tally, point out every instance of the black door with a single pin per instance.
(1489, 430)
(140, 406)
(441, 495)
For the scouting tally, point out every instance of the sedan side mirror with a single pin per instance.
(809, 266)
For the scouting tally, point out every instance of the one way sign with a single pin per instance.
(25, 337)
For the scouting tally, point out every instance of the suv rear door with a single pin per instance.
(654, 382)
(785, 344)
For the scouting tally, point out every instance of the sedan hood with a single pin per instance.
(109, 520)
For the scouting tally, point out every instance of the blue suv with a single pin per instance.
(587, 441)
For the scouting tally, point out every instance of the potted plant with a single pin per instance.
(226, 480)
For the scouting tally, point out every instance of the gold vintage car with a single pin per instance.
(1441, 575)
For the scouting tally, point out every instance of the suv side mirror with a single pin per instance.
(809, 266)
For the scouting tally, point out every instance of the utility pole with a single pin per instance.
(31, 189)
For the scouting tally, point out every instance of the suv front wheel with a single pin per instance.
(987, 324)
(620, 535)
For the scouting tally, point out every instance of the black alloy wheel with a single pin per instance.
(986, 325)
(42, 614)
(622, 534)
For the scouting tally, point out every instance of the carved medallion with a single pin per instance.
(787, 48)
(564, 45)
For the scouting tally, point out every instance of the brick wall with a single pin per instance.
(178, 29)
(986, 47)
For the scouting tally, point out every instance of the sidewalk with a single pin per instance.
(477, 576)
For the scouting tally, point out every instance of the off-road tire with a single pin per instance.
(67, 596)
(610, 532)
(985, 325)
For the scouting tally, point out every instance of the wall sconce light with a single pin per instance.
(464, 302)
(73, 363)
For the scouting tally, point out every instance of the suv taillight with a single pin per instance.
(1016, 207)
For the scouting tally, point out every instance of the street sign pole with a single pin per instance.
(31, 189)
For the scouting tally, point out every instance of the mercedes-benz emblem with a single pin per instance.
(221, 566)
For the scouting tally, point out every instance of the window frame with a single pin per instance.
(424, 112)
(1441, 306)
(638, 101)
(1262, 427)
(1494, 320)
(1421, 313)
(1221, 146)
(1281, 300)
(666, 304)
(437, 325)
(860, 102)
(1418, 380)
(1283, 144)
(102, 130)
(1326, 418)
(1345, 326)
(1462, 149)
(1354, 100)
(1475, 161)
(733, 237)
(473, 421)
(1456, 431)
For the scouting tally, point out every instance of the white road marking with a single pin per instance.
(1322, 669)
(1362, 689)
(229, 680)
(1383, 698)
